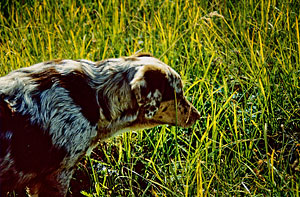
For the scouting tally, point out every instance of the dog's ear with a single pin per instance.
(148, 85)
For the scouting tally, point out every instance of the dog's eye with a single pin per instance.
(164, 109)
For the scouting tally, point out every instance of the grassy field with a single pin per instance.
(240, 61)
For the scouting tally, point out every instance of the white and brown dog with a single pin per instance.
(53, 113)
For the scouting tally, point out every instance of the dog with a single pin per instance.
(54, 113)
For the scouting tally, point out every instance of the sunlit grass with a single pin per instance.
(240, 64)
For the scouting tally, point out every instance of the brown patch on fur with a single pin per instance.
(146, 80)
(136, 56)
(131, 58)
(150, 67)
(55, 61)
(143, 54)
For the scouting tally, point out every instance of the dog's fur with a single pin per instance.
(53, 113)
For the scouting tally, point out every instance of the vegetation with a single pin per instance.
(240, 61)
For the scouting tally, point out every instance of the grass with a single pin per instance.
(240, 63)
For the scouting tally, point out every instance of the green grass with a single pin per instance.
(240, 63)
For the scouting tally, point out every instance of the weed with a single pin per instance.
(240, 62)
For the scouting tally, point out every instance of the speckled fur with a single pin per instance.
(55, 112)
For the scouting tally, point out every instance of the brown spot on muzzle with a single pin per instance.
(187, 114)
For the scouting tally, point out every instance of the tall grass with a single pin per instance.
(240, 64)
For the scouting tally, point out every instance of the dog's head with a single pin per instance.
(159, 95)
